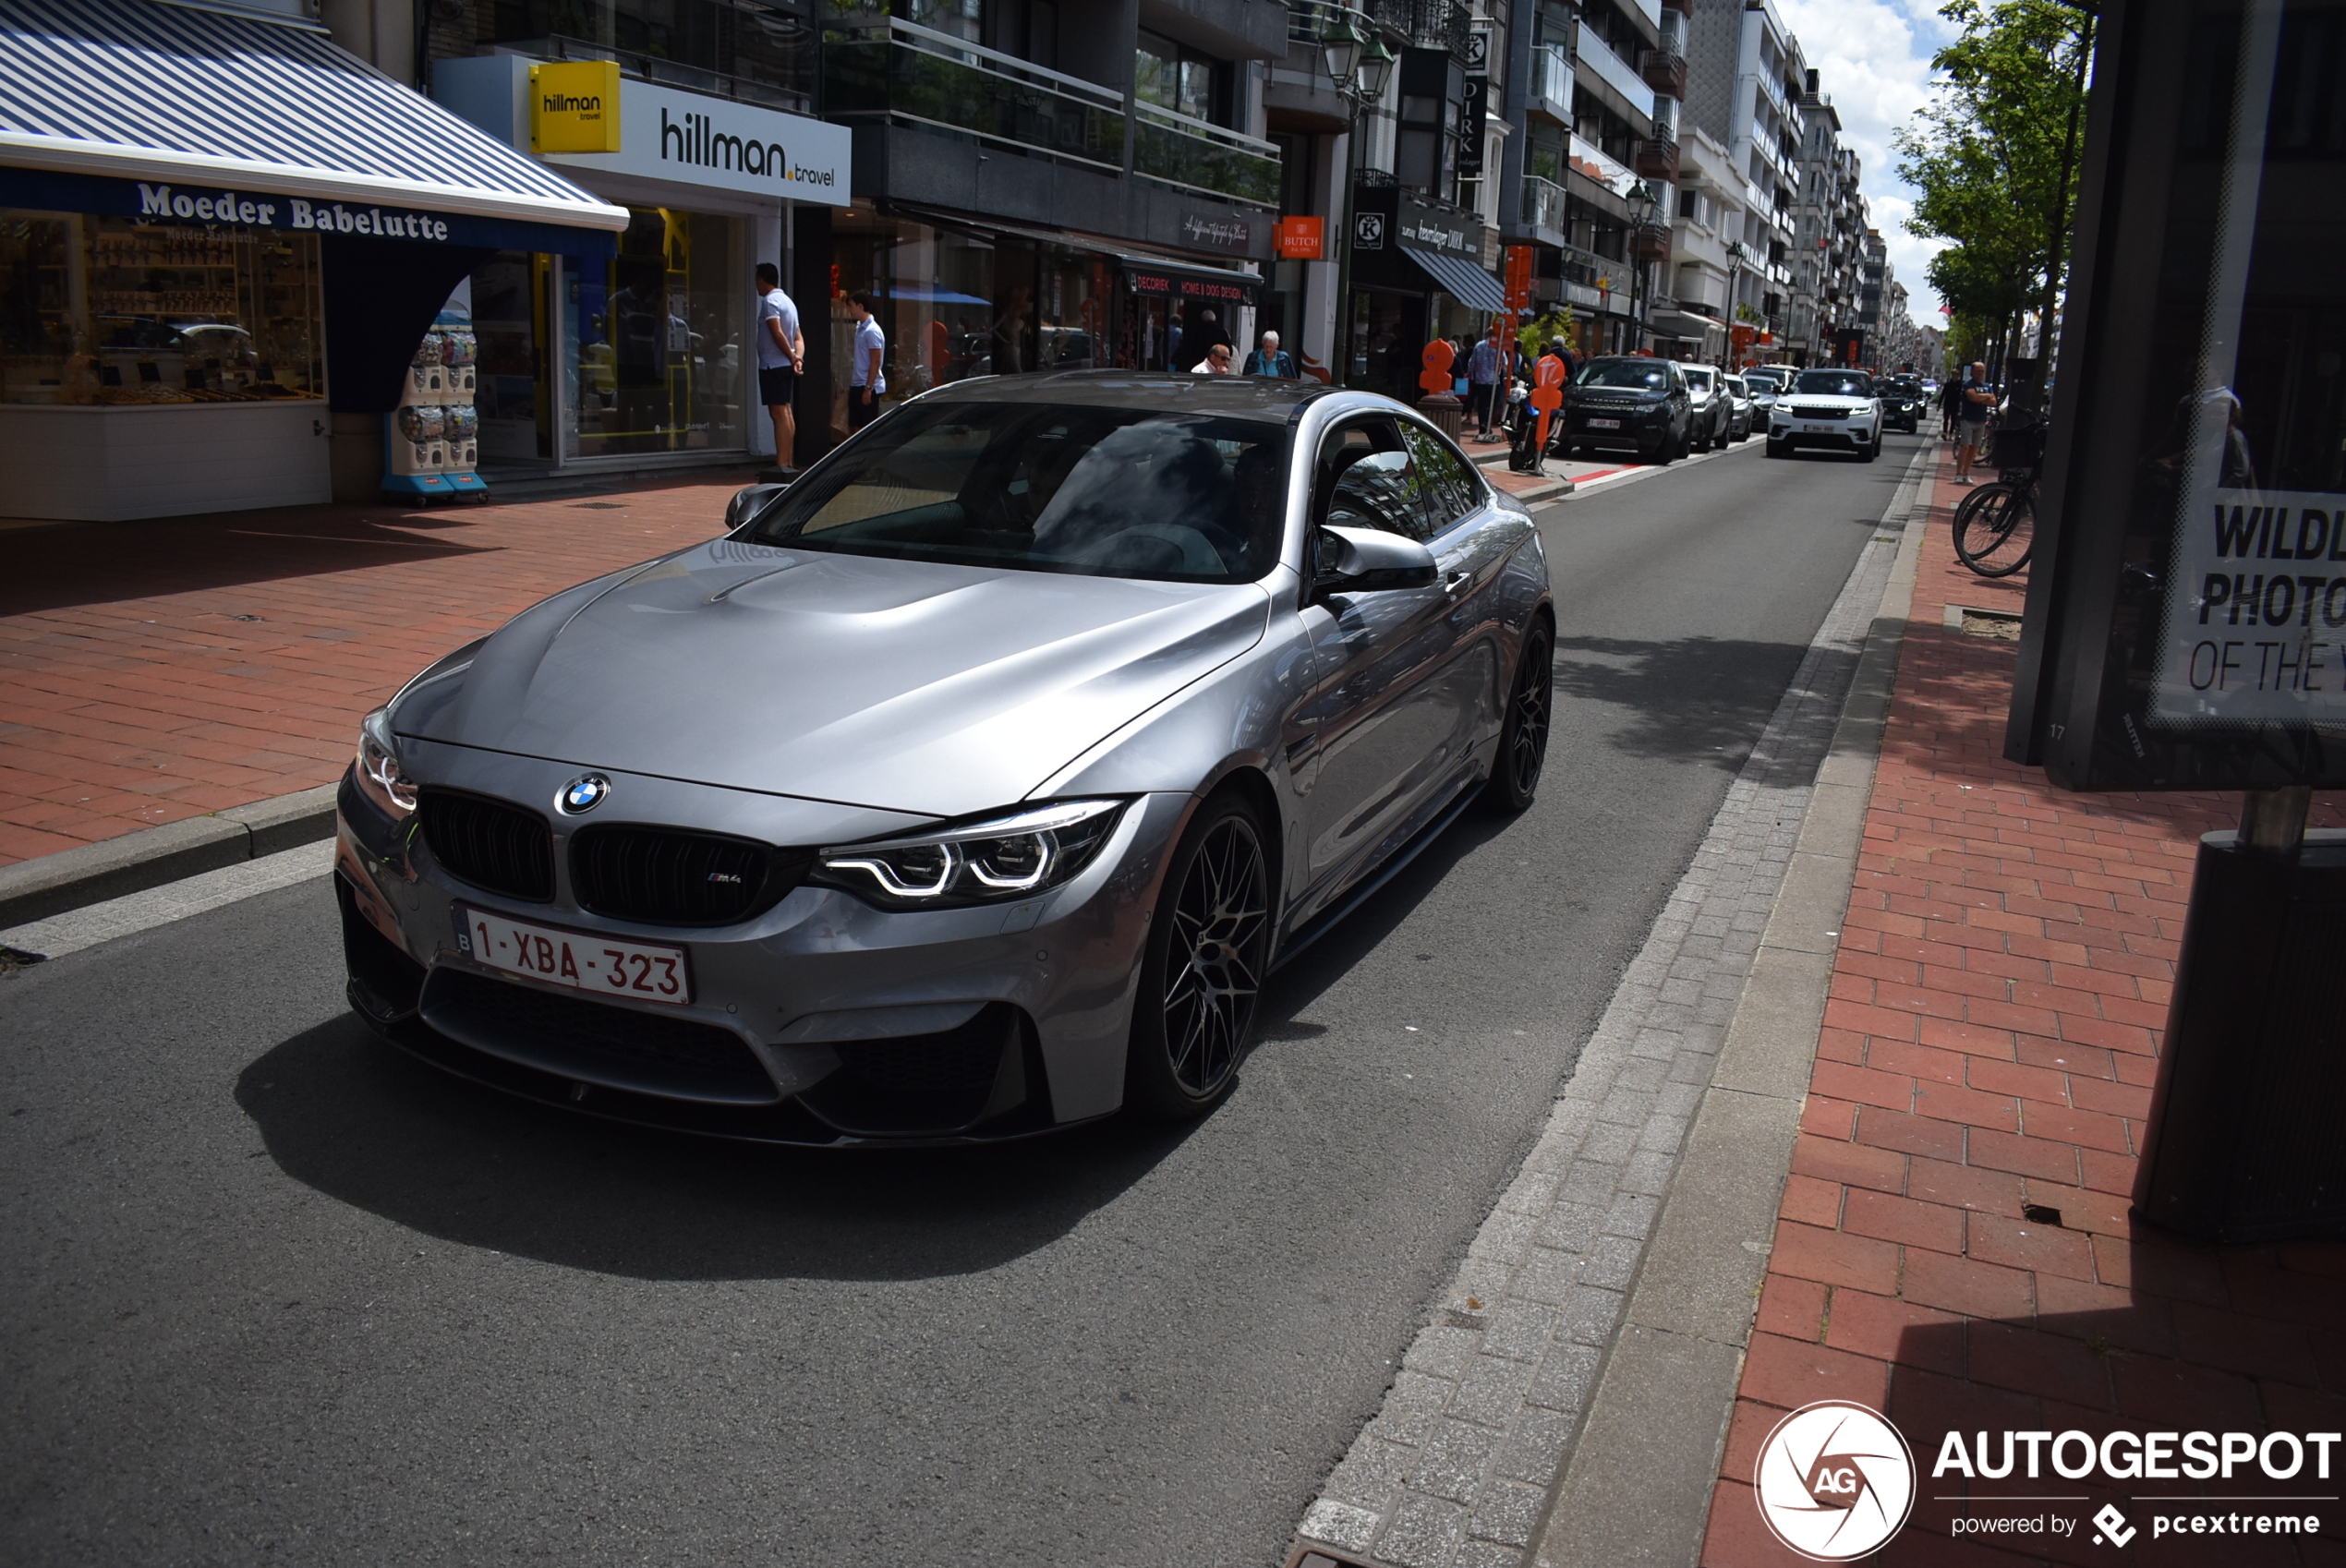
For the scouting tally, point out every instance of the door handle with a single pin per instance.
(1457, 580)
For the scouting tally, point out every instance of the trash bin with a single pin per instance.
(2244, 1141)
(1446, 412)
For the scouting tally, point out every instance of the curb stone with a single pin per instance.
(71, 879)
(1462, 1466)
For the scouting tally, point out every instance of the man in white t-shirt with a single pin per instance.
(1216, 363)
(866, 382)
(780, 351)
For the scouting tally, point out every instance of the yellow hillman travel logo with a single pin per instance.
(1834, 1482)
(573, 106)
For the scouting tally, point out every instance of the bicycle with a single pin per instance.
(1996, 523)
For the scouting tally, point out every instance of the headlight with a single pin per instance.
(1012, 856)
(380, 778)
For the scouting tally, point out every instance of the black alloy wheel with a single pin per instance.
(1203, 966)
(1523, 740)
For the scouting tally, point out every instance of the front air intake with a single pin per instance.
(666, 876)
(494, 844)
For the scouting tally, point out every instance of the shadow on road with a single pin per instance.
(348, 1116)
(1694, 699)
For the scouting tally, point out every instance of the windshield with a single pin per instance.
(1642, 373)
(1762, 380)
(1836, 383)
(1102, 492)
(1699, 379)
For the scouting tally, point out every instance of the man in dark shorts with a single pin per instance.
(780, 351)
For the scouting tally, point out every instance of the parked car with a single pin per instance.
(1833, 409)
(966, 788)
(1629, 402)
(1740, 407)
(1766, 383)
(1712, 410)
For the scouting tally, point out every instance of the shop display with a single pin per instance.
(431, 443)
(106, 310)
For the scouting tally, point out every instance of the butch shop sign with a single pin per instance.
(2257, 617)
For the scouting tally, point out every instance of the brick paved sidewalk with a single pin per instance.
(152, 671)
(1988, 1054)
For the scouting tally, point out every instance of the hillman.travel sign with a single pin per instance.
(665, 134)
(573, 106)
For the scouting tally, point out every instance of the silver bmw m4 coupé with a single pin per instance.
(967, 787)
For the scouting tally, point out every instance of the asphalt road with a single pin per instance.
(276, 1294)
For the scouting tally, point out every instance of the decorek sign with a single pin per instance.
(231, 207)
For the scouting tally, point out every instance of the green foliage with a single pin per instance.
(1533, 334)
(1986, 155)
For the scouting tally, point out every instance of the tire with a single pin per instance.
(1664, 452)
(1996, 529)
(1523, 739)
(1776, 449)
(1201, 966)
(1873, 450)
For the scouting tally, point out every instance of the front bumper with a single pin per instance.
(822, 1021)
(1838, 437)
(1639, 430)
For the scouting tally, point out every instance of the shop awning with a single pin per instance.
(124, 99)
(1461, 279)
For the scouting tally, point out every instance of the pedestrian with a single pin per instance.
(867, 382)
(1977, 398)
(1216, 363)
(780, 351)
(1482, 381)
(1950, 403)
(1270, 360)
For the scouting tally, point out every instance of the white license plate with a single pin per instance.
(1820, 429)
(1604, 424)
(644, 971)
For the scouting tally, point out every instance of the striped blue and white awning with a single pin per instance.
(152, 91)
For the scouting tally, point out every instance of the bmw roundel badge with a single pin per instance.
(583, 794)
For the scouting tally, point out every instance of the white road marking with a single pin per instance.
(93, 923)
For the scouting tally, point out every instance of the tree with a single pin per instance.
(1994, 155)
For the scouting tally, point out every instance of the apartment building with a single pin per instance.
(1745, 81)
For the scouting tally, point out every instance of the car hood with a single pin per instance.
(931, 688)
(1839, 406)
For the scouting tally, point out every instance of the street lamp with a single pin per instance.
(1360, 67)
(1738, 254)
(1642, 204)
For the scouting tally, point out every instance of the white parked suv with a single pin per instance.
(1835, 409)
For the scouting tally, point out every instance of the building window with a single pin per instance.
(1173, 76)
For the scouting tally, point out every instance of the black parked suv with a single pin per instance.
(1629, 402)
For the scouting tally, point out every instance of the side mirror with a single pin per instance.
(749, 504)
(1368, 560)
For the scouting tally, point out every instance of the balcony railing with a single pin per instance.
(1591, 160)
(1428, 24)
(1595, 55)
(1652, 241)
(1544, 205)
(1665, 72)
(1552, 77)
(1196, 155)
(914, 75)
(1658, 159)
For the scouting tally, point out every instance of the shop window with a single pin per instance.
(106, 310)
(509, 293)
(658, 336)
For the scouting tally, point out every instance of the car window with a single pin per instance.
(1646, 373)
(1112, 492)
(1451, 491)
(1836, 383)
(1369, 479)
(1735, 384)
(1699, 379)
